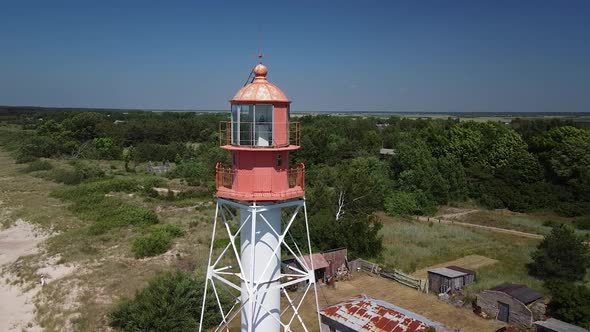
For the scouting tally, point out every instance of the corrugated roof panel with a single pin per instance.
(443, 271)
(362, 313)
(522, 293)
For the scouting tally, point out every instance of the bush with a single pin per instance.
(402, 203)
(570, 303)
(152, 244)
(561, 256)
(37, 165)
(69, 177)
(171, 302)
(582, 223)
(157, 242)
(82, 171)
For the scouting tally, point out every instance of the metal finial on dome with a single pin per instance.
(260, 71)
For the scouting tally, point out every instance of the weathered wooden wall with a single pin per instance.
(336, 258)
(520, 314)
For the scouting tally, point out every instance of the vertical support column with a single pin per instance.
(258, 239)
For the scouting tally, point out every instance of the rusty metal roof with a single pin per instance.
(319, 262)
(362, 313)
(522, 293)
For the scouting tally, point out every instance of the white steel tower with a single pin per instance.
(259, 199)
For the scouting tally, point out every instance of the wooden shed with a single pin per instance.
(337, 261)
(555, 325)
(510, 303)
(319, 264)
(446, 280)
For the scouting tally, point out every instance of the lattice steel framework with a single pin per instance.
(263, 231)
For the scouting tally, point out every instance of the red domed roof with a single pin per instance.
(260, 89)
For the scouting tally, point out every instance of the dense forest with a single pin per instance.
(525, 165)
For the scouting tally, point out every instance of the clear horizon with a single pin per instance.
(378, 56)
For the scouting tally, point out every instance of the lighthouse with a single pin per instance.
(260, 196)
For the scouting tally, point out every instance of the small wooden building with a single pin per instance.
(510, 303)
(319, 265)
(555, 325)
(449, 280)
(337, 262)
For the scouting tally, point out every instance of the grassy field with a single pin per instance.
(101, 267)
(411, 245)
(536, 222)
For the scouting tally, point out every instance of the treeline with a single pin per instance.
(523, 166)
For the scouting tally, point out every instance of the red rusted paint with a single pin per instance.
(362, 313)
(259, 170)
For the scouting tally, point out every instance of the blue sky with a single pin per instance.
(326, 55)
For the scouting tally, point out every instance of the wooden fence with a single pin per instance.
(393, 274)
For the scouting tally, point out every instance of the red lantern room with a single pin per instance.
(260, 137)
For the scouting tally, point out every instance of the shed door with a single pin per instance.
(503, 312)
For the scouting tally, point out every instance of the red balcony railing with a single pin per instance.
(259, 134)
(228, 184)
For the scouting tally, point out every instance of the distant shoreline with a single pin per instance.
(407, 114)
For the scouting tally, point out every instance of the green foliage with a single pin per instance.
(81, 171)
(90, 203)
(570, 303)
(103, 148)
(582, 223)
(36, 147)
(171, 302)
(194, 172)
(37, 165)
(561, 256)
(401, 204)
(156, 242)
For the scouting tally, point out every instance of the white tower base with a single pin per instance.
(257, 274)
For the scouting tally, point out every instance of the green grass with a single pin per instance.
(537, 223)
(411, 245)
(91, 203)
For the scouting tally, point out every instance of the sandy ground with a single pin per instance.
(17, 310)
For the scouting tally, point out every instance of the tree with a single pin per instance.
(561, 256)
(570, 303)
(171, 302)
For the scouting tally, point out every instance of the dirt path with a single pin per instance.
(445, 219)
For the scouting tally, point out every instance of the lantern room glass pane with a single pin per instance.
(263, 125)
(235, 124)
(246, 124)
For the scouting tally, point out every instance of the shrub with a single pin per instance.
(171, 302)
(561, 256)
(570, 303)
(402, 203)
(157, 242)
(152, 244)
(37, 165)
(582, 223)
(69, 177)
